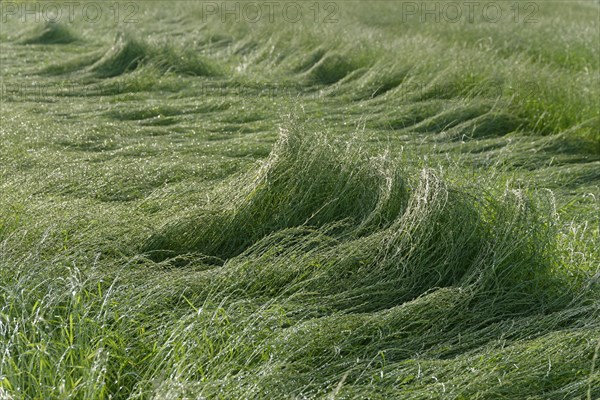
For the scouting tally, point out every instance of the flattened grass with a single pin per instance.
(168, 231)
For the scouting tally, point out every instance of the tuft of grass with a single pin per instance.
(49, 33)
(301, 183)
(127, 54)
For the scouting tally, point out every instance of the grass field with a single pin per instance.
(269, 200)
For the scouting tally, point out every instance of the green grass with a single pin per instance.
(379, 207)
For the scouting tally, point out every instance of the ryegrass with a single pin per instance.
(378, 208)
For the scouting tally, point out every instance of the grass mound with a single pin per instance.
(127, 54)
(332, 68)
(309, 61)
(301, 183)
(379, 80)
(402, 236)
(49, 33)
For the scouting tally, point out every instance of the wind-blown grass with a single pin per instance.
(127, 54)
(49, 33)
(410, 271)
(291, 189)
(380, 208)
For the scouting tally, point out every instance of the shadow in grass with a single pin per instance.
(486, 126)
(331, 68)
